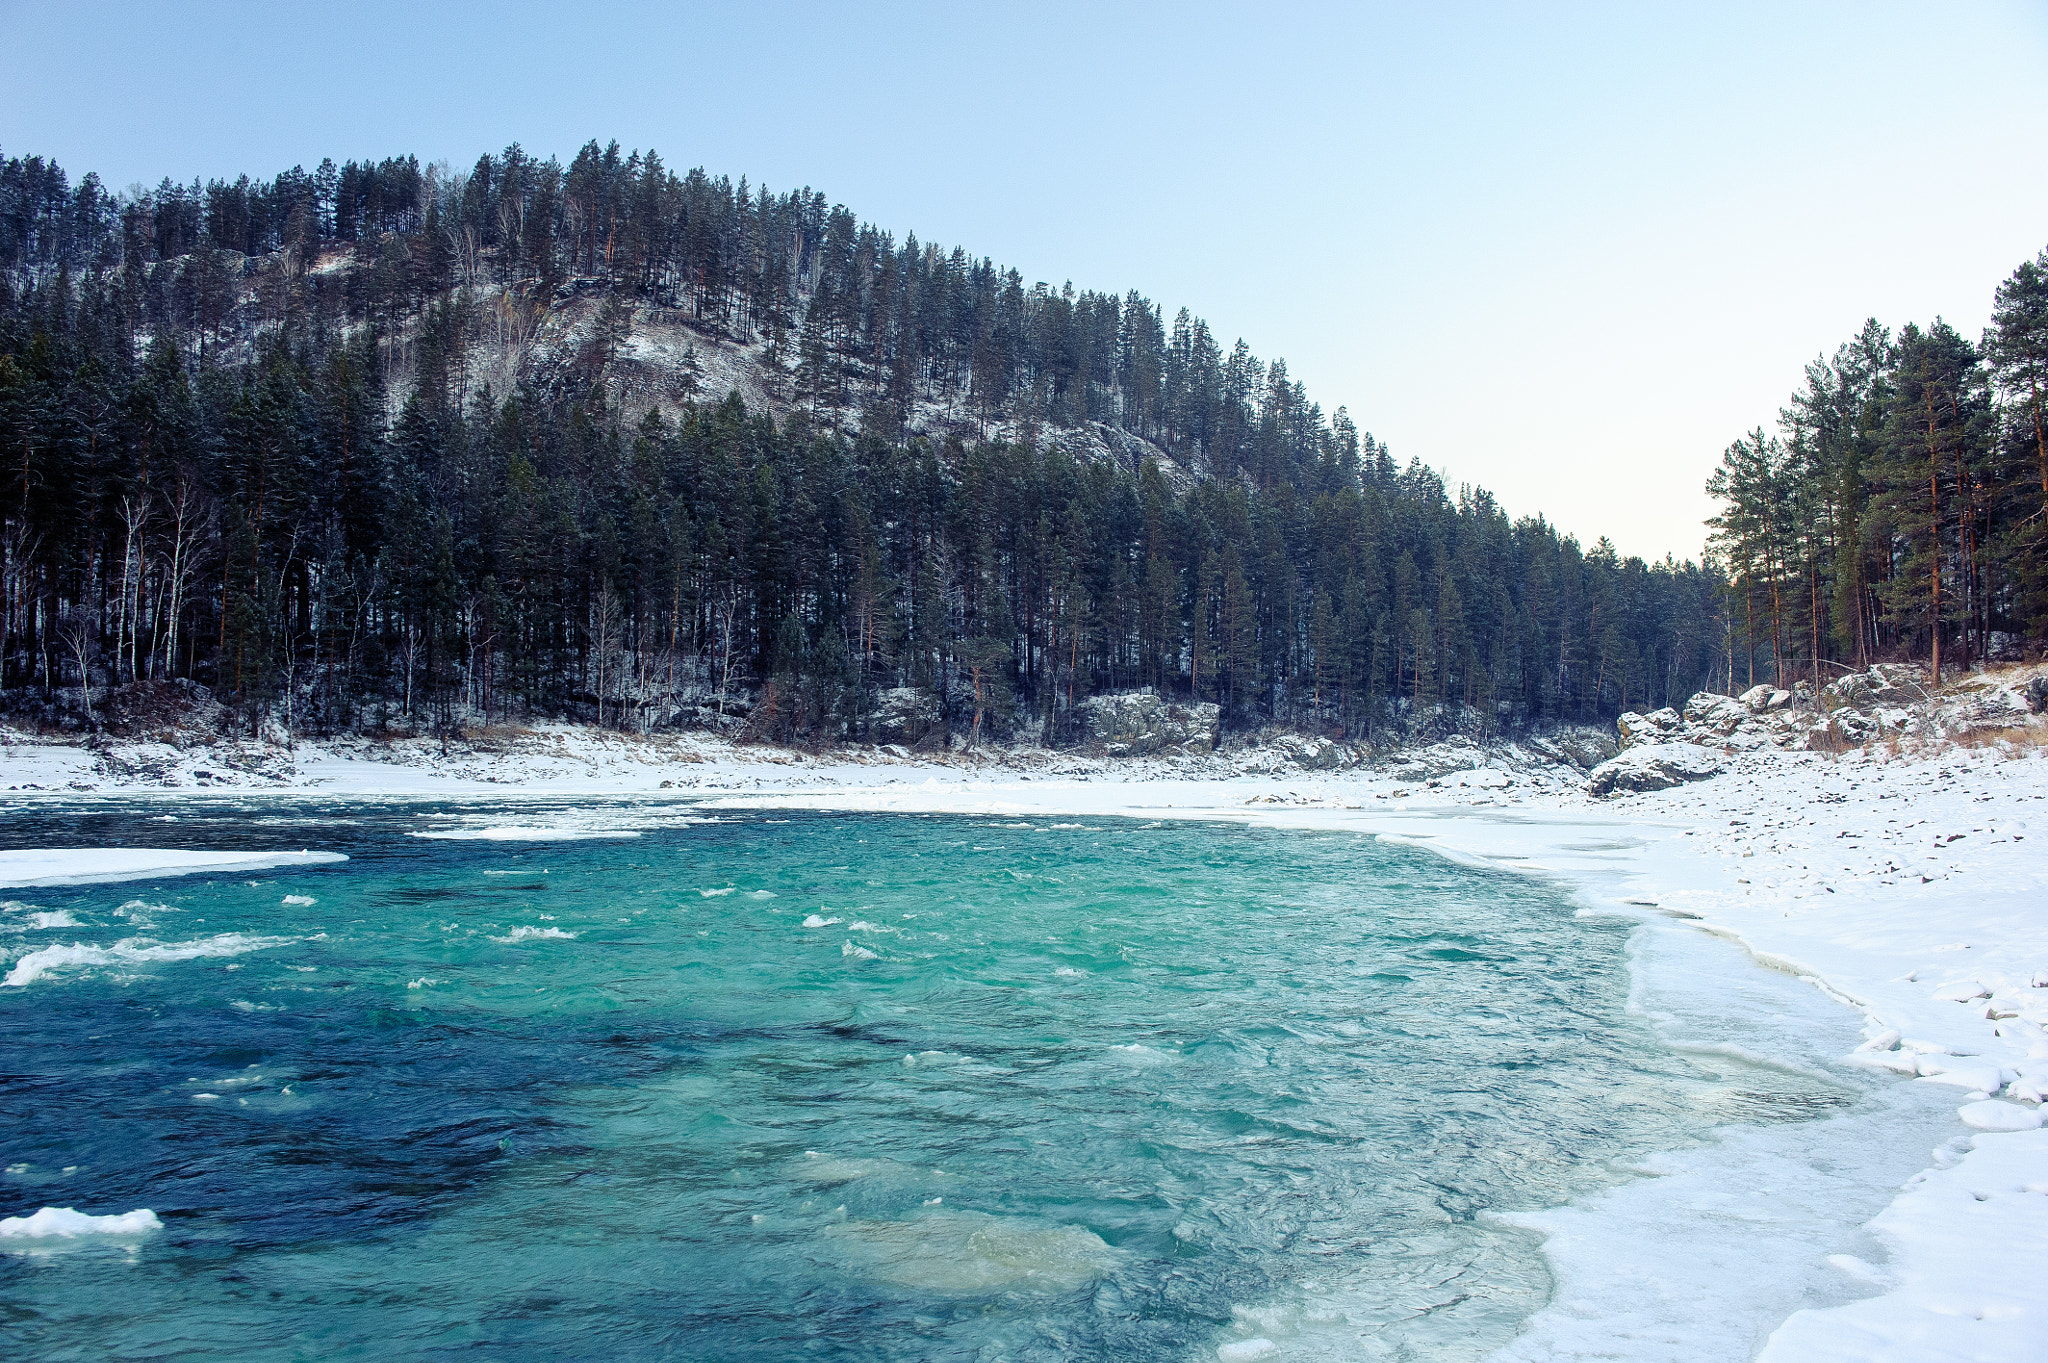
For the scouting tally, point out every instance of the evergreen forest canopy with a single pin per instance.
(1901, 509)
(385, 443)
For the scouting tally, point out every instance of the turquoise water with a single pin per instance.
(1031, 1089)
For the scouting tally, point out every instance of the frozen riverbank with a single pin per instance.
(1910, 890)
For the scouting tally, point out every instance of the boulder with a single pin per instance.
(1659, 726)
(1718, 714)
(1131, 724)
(1890, 685)
(1311, 754)
(1583, 748)
(1654, 766)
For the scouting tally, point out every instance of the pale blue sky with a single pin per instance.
(1565, 255)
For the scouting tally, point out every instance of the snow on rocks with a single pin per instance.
(1139, 722)
(1656, 766)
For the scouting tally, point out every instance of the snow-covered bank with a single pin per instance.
(1912, 890)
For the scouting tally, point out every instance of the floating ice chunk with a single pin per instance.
(817, 921)
(1242, 1350)
(524, 933)
(761, 894)
(854, 952)
(971, 1254)
(1993, 1115)
(715, 893)
(421, 983)
(925, 1060)
(131, 951)
(90, 865)
(817, 1168)
(1140, 1055)
(63, 1222)
(860, 925)
(302, 900)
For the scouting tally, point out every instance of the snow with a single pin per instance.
(1908, 887)
(91, 865)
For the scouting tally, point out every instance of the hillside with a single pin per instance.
(383, 444)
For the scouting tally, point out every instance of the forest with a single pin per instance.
(378, 446)
(1900, 508)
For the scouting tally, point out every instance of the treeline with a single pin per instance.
(242, 496)
(867, 327)
(1901, 509)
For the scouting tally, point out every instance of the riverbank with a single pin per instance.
(1909, 888)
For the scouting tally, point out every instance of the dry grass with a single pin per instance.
(2014, 741)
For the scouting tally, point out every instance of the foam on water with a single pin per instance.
(526, 933)
(131, 951)
(521, 834)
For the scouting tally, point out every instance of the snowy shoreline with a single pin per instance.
(1912, 891)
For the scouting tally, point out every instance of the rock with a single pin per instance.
(1131, 724)
(1655, 766)
(1311, 754)
(903, 714)
(1581, 748)
(1720, 714)
(1659, 726)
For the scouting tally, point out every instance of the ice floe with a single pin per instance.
(91, 865)
(64, 1223)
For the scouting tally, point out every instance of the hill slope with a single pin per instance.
(646, 449)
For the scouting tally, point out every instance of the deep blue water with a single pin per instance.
(1034, 1089)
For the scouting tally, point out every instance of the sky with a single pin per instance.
(1566, 253)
